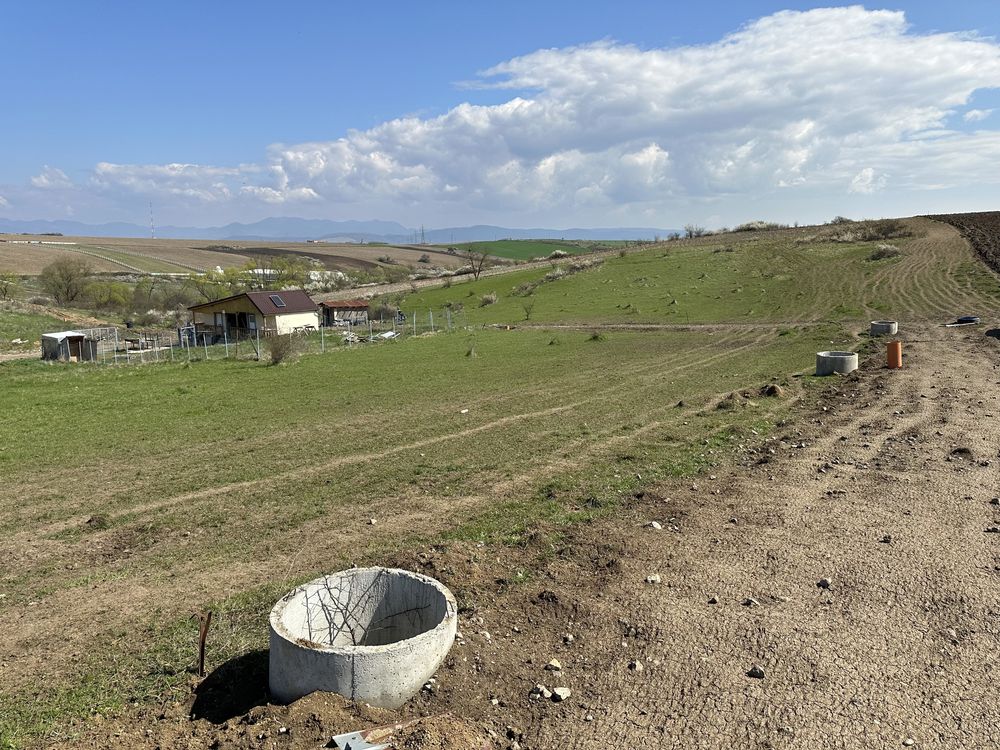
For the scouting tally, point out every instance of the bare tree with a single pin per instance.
(528, 305)
(477, 259)
(693, 230)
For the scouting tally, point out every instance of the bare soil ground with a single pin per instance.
(848, 557)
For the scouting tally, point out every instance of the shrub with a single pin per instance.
(557, 254)
(525, 289)
(65, 279)
(425, 258)
(884, 251)
(759, 226)
(39, 299)
(693, 230)
(555, 274)
(281, 348)
(871, 231)
(488, 299)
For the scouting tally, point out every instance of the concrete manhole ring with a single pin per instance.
(828, 363)
(374, 635)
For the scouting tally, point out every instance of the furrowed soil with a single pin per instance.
(836, 536)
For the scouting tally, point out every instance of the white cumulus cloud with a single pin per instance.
(796, 103)
(977, 115)
(51, 178)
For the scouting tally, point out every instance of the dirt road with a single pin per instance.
(887, 492)
(884, 487)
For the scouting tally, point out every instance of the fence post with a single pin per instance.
(171, 351)
(225, 338)
(430, 314)
(369, 328)
(204, 340)
(322, 339)
(258, 343)
(114, 354)
(414, 322)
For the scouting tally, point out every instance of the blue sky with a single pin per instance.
(217, 85)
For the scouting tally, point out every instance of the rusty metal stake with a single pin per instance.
(205, 618)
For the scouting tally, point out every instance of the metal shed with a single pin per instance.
(69, 346)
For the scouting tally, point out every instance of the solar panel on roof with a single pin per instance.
(276, 299)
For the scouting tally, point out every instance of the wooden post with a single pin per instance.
(225, 339)
(205, 619)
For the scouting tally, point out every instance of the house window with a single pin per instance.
(252, 322)
(276, 299)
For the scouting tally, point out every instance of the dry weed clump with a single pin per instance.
(281, 348)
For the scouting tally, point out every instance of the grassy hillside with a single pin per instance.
(734, 278)
(529, 249)
(27, 326)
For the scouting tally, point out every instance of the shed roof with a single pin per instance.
(60, 335)
(344, 304)
(269, 303)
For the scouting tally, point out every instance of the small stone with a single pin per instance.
(635, 666)
(750, 602)
(568, 638)
(464, 411)
(756, 671)
(713, 600)
(588, 717)
(560, 694)
(909, 742)
(372, 521)
(655, 525)
(824, 583)
(992, 530)
(654, 578)
(887, 539)
(494, 702)
(282, 730)
(554, 666)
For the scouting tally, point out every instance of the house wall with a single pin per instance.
(290, 321)
(242, 304)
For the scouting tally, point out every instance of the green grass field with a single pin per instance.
(530, 249)
(133, 495)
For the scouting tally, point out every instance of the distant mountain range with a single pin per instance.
(299, 230)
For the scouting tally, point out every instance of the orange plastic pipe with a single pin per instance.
(894, 355)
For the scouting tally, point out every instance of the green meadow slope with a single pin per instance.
(797, 276)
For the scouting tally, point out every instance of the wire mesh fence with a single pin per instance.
(114, 346)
